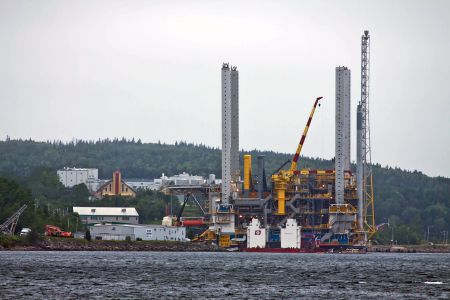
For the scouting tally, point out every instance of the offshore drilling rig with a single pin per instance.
(296, 210)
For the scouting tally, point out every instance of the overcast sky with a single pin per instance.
(151, 70)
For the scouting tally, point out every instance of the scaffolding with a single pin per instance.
(364, 160)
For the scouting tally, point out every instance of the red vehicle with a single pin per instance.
(51, 230)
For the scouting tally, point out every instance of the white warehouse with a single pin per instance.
(141, 232)
(70, 177)
(119, 215)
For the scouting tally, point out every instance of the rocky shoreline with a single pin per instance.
(63, 244)
(59, 244)
(411, 249)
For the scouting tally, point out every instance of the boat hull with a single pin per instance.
(283, 250)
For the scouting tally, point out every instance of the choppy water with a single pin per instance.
(81, 275)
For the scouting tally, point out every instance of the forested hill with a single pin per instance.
(133, 159)
(411, 200)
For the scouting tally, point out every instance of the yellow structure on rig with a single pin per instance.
(282, 178)
(247, 174)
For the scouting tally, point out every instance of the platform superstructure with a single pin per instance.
(296, 209)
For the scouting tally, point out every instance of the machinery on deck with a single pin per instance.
(179, 220)
(283, 177)
(309, 209)
(295, 201)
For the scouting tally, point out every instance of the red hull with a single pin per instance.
(192, 223)
(283, 250)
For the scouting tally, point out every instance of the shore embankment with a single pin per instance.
(65, 244)
(14, 243)
(411, 248)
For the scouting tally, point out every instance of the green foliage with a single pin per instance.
(47, 200)
(33, 237)
(7, 241)
(50, 203)
(87, 235)
(411, 201)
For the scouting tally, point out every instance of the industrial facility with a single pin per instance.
(294, 210)
(135, 232)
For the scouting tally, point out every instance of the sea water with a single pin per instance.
(150, 275)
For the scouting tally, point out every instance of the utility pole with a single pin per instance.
(444, 236)
(392, 235)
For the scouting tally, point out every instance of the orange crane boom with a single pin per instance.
(302, 140)
(282, 178)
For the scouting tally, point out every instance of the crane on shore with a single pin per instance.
(9, 226)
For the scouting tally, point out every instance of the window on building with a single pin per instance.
(125, 218)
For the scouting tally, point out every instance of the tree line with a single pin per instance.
(411, 201)
(50, 203)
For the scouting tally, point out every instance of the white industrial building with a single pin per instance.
(113, 215)
(137, 232)
(139, 184)
(180, 179)
(342, 130)
(70, 177)
(186, 179)
(230, 129)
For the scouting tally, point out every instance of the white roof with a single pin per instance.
(77, 169)
(106, 211)
(138, 225)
